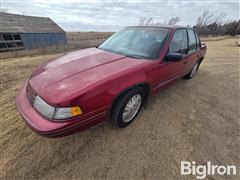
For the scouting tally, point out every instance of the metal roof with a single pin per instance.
(15, 23)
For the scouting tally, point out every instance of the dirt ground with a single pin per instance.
(196, 120)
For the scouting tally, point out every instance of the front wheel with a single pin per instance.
(127, 107)
(193, 72)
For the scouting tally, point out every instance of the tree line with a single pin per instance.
(207, 24)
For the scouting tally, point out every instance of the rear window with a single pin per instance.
(198, 41)
(192, 41)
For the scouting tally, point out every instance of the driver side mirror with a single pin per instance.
(174, 57)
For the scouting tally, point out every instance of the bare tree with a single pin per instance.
(210, 23)
(150, 21)
(204, 19)
(165, 22)
(146, 21)
(218, 19)
(141, 20)
(173, 21)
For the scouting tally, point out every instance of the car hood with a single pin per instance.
(69, 74)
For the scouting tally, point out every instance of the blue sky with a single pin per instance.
(110, 15)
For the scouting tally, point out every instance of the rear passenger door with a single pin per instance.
(193, 49)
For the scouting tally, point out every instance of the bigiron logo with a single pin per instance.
(201, 171)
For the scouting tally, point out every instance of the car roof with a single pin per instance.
(158, 26)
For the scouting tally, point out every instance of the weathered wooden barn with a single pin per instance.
(28, 32)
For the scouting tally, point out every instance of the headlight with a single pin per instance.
(43, 107)
(55, 112)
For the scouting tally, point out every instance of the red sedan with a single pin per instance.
(111, 82)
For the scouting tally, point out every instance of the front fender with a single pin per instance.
(103, 95)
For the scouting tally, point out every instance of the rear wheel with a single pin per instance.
(127, 107)
(193, 72)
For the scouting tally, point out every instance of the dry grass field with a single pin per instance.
(81, 36)
(75, 41)
(196, 120)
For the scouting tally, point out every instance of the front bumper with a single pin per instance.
(48, 128)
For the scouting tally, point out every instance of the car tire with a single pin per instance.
(127, 107)
(193, 71)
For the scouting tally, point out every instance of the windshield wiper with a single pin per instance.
(127, 55)
(110, 50)
(135, 56)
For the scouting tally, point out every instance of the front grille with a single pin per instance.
(30, 94)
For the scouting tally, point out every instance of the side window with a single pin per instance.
(192, 42)
(179, 42)
(198, 41)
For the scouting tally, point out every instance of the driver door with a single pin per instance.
(169, 71)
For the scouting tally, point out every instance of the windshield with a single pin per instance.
(137, 42)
